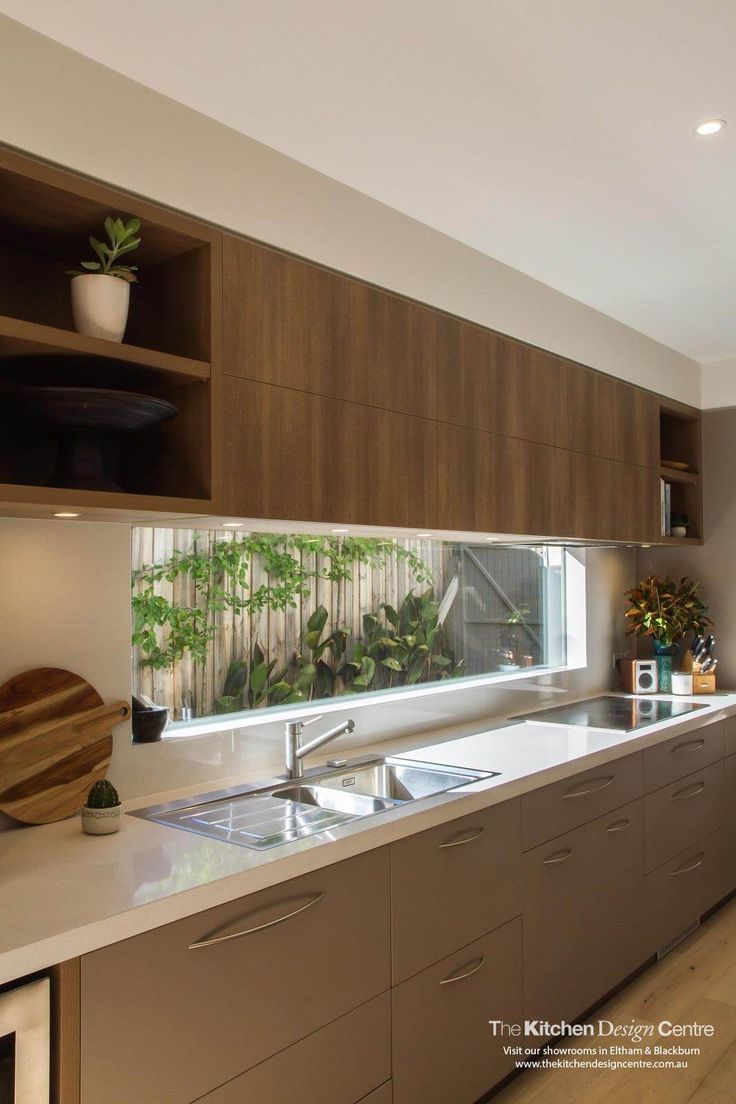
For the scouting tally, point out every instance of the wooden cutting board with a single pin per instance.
(55, 741)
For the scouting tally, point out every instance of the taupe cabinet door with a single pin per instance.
(452, 884)
(182, 1021)
(443, 1050)
(683, 754)
(336, 1065)
(557, 808)
(685, 887)
(682, 813)
(580, 935)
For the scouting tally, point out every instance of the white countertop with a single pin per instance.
(64, 893)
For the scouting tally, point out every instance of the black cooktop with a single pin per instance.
(618, 714)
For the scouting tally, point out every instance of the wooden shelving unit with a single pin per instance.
(172, 347)
(680, 440)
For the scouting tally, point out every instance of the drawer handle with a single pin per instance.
(597, 784)
(686, 869)
(211, 940)
(463, 837)
(619, 825)
(690, 745)
(689, 791)
(558, 857)
(465, 971)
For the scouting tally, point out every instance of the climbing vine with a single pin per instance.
(219, 572)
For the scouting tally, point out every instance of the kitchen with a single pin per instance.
(407, 492)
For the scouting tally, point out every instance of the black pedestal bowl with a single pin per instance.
(90, 423)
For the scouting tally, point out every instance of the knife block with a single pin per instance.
(703, 684)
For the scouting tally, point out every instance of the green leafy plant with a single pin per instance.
(665, 609)
(167, 632)
(121, 240)
(102, 795)
(252, 683)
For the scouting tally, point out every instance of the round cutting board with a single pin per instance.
(55, 741)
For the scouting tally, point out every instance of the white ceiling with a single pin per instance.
(554, 135)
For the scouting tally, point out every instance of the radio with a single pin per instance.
(639, 676)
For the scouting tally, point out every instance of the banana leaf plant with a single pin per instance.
(254, 682)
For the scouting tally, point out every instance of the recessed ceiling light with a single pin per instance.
(491, 538)
(66, 514)
(710, 126)
(339, 530)
(424, 534)
(232, 524)
(645, 546)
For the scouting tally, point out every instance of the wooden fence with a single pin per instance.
(278, 632)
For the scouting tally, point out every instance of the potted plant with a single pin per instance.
(665, 611)
(103, 814)
(101, 294)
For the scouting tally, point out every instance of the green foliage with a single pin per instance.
(121, 240)
(102, 795)
(252, 683)
(665, 609)
(219, 573)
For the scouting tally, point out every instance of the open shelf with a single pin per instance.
(674, 476)
(171, 350)
(19, 338)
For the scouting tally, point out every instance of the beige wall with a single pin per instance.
(69, 109)
(713, 563)
(65, 601)
(718, 384)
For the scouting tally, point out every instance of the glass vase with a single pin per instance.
(663, 654)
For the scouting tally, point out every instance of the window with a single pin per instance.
(230, 622)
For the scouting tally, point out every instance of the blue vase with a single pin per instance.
(664, 653)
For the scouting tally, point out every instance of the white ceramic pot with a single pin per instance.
(679, 531)
(682, 682)
(100, 305)
(102, 822)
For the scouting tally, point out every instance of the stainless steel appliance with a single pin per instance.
(615, 713)
(25, 1031)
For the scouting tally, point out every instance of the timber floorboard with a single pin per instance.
(695, 983)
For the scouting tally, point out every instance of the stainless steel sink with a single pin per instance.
(289, 811)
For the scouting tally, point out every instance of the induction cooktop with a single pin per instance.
(617, 714)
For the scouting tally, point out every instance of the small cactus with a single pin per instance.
(102, 795)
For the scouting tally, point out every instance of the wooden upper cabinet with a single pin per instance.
(610, 418)
(294, 324)
(494, 383)
(302, 457)
(501, 484)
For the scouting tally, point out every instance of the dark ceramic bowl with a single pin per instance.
(149, 724)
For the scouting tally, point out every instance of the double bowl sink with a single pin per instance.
(284, 812)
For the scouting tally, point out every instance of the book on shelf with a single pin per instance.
(665, 505)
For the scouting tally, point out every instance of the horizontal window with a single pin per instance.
(228, 625)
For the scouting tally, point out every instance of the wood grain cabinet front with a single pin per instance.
(338, 1064)
(683, 754)
(382, 1095)
(563, 805)
(579, 936)
(295, 324)
(682, 813)
(204, 999)
(289, 454)
(443, 1049)
(452, 884)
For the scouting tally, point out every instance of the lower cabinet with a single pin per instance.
(172, 1014)
(443, 1049)
(337, 1065)
(580, 938)
(681, 813)
(681, 890)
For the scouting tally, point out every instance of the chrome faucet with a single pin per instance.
(296, 750)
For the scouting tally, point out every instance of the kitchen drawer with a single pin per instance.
(729, 726)
(185, 1020)
(681, 814)
(680, 891)
(443, 1050)
(683, 754)
(579, 939)
(452, 884)
(558, 808)
(337, 1065)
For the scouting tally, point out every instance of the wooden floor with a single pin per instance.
(695, 983)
